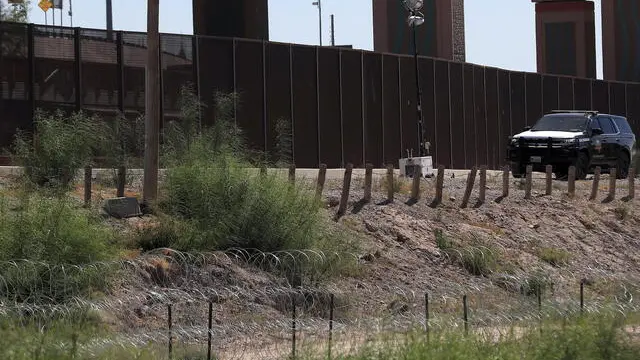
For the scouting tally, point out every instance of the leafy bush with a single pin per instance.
(62, 145)
(41, 241)
(214, 202)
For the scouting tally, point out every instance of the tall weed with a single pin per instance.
(41, 241)
(62, 144)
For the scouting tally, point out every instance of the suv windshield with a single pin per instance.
(561, 123)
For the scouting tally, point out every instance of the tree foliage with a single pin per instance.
(15, 12)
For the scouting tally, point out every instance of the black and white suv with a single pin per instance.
(584, 139)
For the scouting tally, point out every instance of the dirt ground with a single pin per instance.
(552, 240)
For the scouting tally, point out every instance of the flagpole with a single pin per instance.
(71, 13)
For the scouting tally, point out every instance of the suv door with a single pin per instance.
(598, 155)
(610, 139)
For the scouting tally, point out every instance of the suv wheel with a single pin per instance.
(582, 166)
(622, 166)
(518, 171)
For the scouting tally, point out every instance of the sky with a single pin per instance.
(499, 33)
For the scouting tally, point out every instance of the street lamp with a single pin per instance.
(319, 5)
(415, 19)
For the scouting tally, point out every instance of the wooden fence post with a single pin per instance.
(87, 186)
(368, 179)
(572, 181)
(346, 186)
(390, 190)
(439, 185)
(549, 173)
(415, 188)
(505, 182)
(471, 179)
(483, 184)
(632, 183)
(596, 183)
(122, 179)
(528, 182)
(322, 176)
(292, 173)
(612, 184)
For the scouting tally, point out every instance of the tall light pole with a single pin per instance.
(152, 105)
(319, 5)
(416, 19)
(109, 18)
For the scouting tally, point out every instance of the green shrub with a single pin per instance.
(553, 256)
(589, 338)
(62, 145)
(47, 238)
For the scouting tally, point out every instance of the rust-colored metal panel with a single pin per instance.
(480, 110)
(518, 100)
(305, 106)
(216, 72)
(533, 84)
(177, 69)
(249, 84)
(565, 93)
(582, 94)
(633, 107)
(278, 96)
(351, 73)
(504, 114)
(54, 65)
(373, 149)
(99, 69)
(427, 83)
(600, 91)
(470, 132)
(549, 93)
(391, 109)
(493, 125)
(408, 109)
(618, 93)
(238, 18)
(16, 114)
(135, 61)
(14, 63)
(329, 107)
(456, 93)
(443, 114)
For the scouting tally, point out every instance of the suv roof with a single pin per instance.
(575, 112)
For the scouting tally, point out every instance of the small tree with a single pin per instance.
(15, 12)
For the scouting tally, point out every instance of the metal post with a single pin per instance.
(331, 306)
(421, 149)
(32, 69)
(333, 32)
(209, 330)
(109, 18)
(78, 65)
(170, 325)
(152, 104)
(71, 12)
(120, 80)
(320, 20)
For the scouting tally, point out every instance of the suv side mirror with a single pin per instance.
(527, 128)
(597, 131)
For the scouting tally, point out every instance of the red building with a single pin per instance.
(621, 40)
(237, 18)
(441, 36)
(565, 37)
